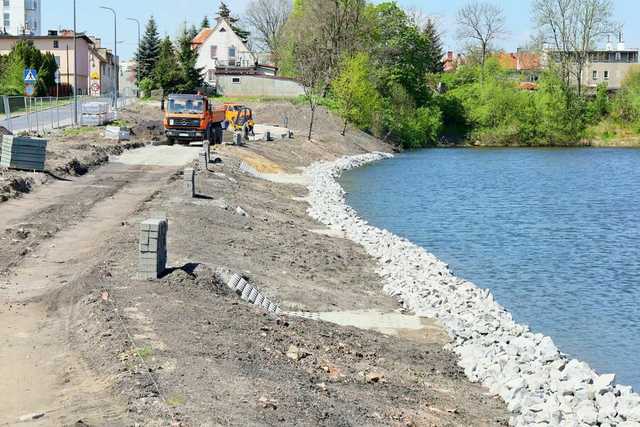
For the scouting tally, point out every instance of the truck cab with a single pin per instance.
(189, 118)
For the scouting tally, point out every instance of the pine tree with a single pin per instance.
(225, 13)
(148, 51)
(191, 76)
(435, 47)
(205, 23)
(166, 75)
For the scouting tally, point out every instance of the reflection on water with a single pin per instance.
(554, 233)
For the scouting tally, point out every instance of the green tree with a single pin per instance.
(166, 75)
(148, 51)
(400, 51)
(356, 97)
(434, 47)
(190, 75)
(24, 55)
(225, 13)
(205, 23)
(626, 105)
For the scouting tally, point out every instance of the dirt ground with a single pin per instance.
(75, 152)
(82, 342)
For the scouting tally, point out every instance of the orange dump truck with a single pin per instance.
(190, 118)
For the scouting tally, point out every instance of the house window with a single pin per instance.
(606, 75)
(56, 44)
(236, 80)
(222, 30)
(595, 75)
(6, 3)
(214, 52)
(7, 20)
(212, 75)
(232, 52)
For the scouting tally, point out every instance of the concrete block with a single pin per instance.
(152, 248)
(237, 139)
(202, 160)
(189, 182)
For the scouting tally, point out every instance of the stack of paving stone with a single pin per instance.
(117, 133)
(95, 114)
(19, 152)
(153, 248)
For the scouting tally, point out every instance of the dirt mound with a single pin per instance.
(195, 275)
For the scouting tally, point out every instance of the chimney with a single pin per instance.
(609, 44)
(620, 41)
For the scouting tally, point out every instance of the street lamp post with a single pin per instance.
(115, 50)
(75, 68)
(138, 23)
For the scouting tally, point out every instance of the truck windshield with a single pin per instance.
(186, 106)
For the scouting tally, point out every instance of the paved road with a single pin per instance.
(50, 118)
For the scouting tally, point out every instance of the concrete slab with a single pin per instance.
(162, 155)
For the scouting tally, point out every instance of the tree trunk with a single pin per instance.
(313, 115)
(344, 129)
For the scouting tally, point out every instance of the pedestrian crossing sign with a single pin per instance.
(30, 75)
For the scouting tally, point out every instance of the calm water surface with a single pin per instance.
(554, 233)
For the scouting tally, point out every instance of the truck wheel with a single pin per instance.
(219, 135)
(171, 141)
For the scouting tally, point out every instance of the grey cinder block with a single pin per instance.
(189, 182)
(152, 248)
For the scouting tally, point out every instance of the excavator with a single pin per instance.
(239, 118)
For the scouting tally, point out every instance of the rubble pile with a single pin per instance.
(539, 384)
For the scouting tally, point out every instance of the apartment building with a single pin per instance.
(96, 66)
(21, 17)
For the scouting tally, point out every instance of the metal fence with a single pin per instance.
(35, 115)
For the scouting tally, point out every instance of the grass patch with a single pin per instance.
(176, 400)
(78, 131)
(120, 123)
(610, 130)
(145, 352)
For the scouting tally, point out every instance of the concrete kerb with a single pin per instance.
(189, 180)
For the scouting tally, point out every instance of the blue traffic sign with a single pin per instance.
(30, 75)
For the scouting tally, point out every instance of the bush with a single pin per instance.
(626, 104)
(146, 86)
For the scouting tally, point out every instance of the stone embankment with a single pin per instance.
(539, 384)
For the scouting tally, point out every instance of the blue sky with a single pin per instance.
(170, 14)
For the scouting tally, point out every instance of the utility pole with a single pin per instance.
(115, 50)
(75, 68)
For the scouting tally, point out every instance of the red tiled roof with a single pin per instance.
(528, 61)
(508, 61)
(202, 36)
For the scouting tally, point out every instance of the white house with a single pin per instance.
(230, 67)
(220, 49)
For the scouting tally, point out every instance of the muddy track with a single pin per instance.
(64, 229)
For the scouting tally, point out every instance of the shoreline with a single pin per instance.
(538, 382)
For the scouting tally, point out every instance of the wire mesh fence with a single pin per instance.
(35, 115)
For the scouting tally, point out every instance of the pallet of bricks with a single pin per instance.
(19, 152)
(96, 114)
